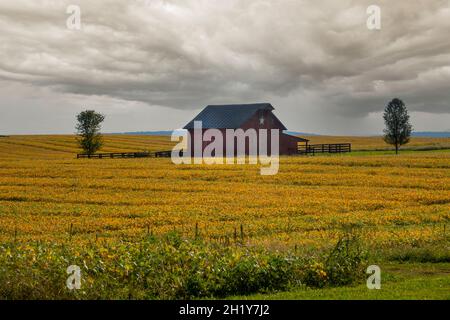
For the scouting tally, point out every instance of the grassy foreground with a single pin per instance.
(408, 281)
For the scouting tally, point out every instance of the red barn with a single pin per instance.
(244, 116)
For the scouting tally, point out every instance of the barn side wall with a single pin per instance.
(288, 143)
(287, 146)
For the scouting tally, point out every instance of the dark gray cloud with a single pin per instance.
(184, 54)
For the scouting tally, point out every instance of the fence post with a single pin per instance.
(196, 231)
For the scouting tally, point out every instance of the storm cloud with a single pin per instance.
(311, 57)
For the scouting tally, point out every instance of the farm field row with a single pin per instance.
(65, 146)
(103, 213)
(393, 199)
(377, 142)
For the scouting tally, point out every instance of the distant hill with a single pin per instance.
(168, 133)
(294, 133)
(432, 134)
(148, 133)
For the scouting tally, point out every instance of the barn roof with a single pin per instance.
(229, 116)
(297, 137)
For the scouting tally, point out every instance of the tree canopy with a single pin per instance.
(88, 130)
(398, 129)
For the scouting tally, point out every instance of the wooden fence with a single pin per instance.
(156, 154)
(302, 149)
(324, 148)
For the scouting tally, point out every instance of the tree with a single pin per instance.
(88, 130)
(398, 129)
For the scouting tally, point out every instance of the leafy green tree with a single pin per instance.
(88, 130)
(398, 129)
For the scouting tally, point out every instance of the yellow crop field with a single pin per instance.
(46, 194)
(377, 142)
(146, 228)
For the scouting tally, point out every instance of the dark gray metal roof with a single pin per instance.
(230, 116)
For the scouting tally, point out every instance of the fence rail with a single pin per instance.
(156, 154)
(325, 148)
(302, 149)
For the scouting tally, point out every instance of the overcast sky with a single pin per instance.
(152, 65)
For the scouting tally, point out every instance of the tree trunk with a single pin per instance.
(396, 148)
